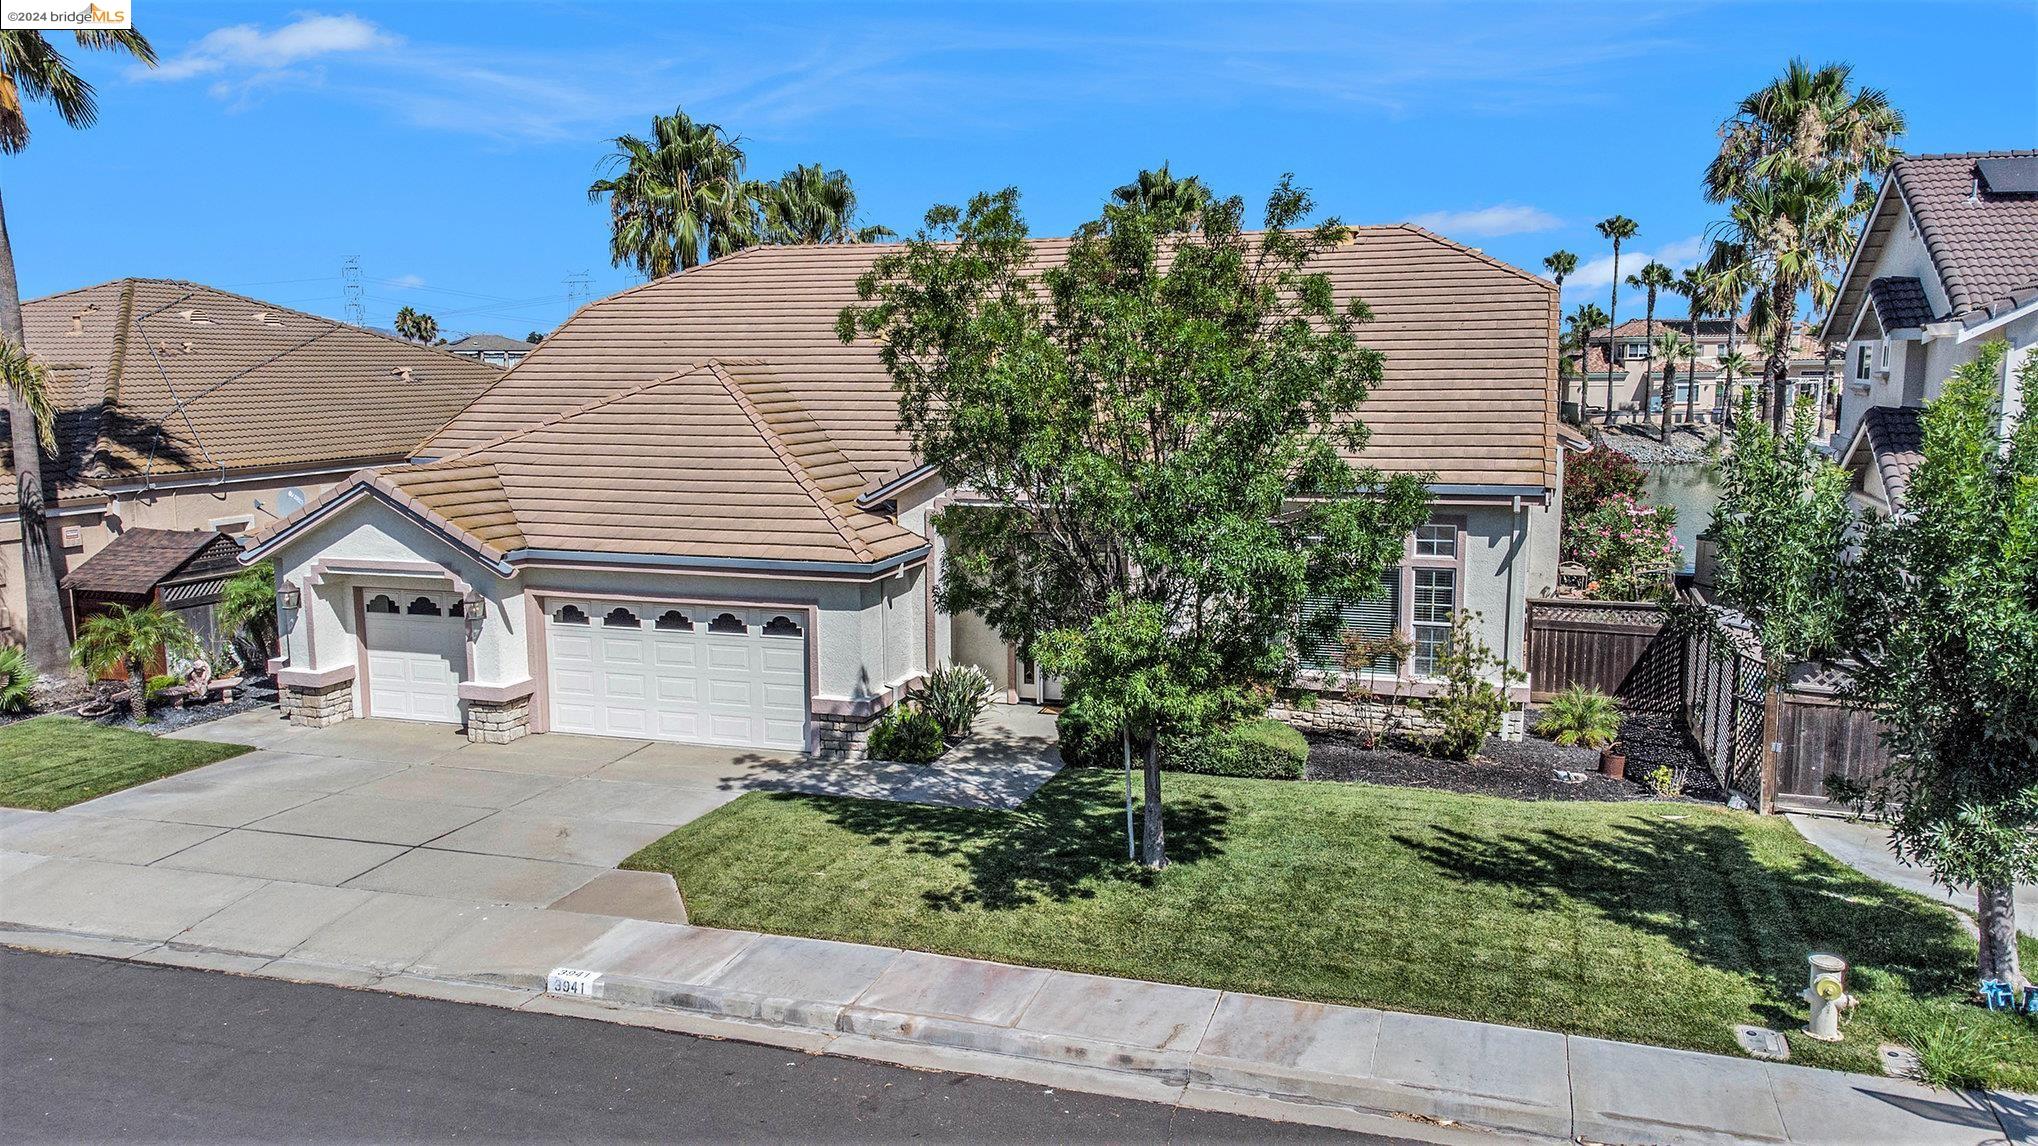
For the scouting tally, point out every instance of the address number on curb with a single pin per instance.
(568, 981)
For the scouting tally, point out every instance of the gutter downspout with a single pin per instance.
(1520, 537)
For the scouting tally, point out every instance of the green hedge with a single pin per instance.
(1253, 749)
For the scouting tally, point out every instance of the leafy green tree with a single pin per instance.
(129, 639)
(1618, 229)
(1779, 533)
(33, 71)
(1795, 167)
(1653, 278)
(1161, 428)
(1584, 320)
(416, 325)
(1941, 624)
(811, 205)
(678, 198)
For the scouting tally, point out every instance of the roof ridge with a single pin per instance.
(1475, 252)
(116, 367)
(792, 464)
(335, 326)
(563, 415)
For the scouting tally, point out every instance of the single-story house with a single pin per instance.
(185, 407)
(689, 513)
(1947, 261)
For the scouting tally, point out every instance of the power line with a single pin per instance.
(578, 286)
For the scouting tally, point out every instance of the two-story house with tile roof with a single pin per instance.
(690, 513)
(1948, 259)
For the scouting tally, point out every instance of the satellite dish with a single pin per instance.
(289, 501)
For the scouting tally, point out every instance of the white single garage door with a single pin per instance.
(708, 674)
(417, 646)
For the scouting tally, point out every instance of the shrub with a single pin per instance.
(1590, 479)
(17, 679)
(1580, 715)
(955, 695)
(1666, 780)
(1254, 749)
(1471, 706)
(1627, 546)
(161, 681)
(906, 735)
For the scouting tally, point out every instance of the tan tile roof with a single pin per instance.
(717, 461)
(161, 377)
(1469, 344)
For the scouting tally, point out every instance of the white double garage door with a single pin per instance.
(701, 673)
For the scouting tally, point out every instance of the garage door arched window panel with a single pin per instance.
(381, 603)
(621, 618)
(728, 623)
(782, 626)
(569, 615)
(674, 621)
(457, 609)
(424, 607)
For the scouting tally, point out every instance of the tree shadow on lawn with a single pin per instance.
(1701, 886)
(1054, 846)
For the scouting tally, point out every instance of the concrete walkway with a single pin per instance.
(1864, 846)
(329, 857)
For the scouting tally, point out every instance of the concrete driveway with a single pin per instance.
(331, 818)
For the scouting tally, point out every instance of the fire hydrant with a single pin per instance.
(1827, 995)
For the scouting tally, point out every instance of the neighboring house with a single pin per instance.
(1948, 259)
(690, 514)
(491, 349)
(184, 570)
(1807, 371)
(188, 408)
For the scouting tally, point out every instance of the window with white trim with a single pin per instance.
(1435, 603)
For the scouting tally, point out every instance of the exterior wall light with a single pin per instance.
(289, 598)
(476, 608)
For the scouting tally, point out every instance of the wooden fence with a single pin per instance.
(1776, 747)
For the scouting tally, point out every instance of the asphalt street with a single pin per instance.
(99, 1050)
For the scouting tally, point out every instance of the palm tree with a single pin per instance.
(1618, 228)
(1729, 277)
(1560, 264)
(1672, 346)
(416, 325)
(1158, 191)
(129, 639)
(33, 71)
(1653, 278)
(1733, 364)
(810, 205)
(678, 198)
(1693, 285)
(1795, 167)
(1584, 320)
(247, 611)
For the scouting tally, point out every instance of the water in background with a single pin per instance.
(1694, 490)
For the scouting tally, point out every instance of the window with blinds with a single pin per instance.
(1374, 618)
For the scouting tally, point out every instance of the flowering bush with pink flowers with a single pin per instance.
(1628, 548)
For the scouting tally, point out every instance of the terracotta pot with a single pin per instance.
(1614, 762)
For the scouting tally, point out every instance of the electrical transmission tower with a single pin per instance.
(350, 284)
(578, 287)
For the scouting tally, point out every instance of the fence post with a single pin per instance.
(1772, 735)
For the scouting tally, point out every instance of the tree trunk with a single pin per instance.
(1153, 840)
(1691, 372)
(44, 614)
(1997, 905)
(1776, 368)
(1612, 320)
(1727, 394)
(138, 691)
(1648, 362)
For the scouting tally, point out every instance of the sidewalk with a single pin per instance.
(1387, 1072)
(1864, 846)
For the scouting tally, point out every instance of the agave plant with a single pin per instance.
(1580, 715)
(17, 679)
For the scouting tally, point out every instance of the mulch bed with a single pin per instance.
(255, 692)
(1520, 770)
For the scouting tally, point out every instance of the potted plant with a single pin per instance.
(1613, 760)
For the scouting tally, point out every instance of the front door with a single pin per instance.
(1037, 684)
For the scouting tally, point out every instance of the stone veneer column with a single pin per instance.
(498, 722)
(841, 736)
(317, 706)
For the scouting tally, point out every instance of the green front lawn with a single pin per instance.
(53, 762)
(1659, 923)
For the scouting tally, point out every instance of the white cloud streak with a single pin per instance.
(1488, 222)
(250, 52)
(1599, 272)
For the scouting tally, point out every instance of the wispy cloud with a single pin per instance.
(250, 52)
(1599, 272)
(407, 282)
(1488, 222)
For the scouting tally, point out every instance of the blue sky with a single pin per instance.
(450, 145)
